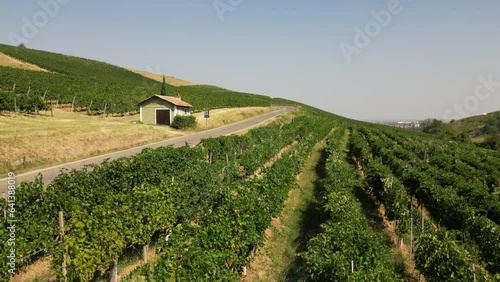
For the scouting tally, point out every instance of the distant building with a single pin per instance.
(407, 124)
(159, 109)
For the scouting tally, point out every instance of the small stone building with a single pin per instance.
(159, 109)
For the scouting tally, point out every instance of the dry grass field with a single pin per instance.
(7, 61)
(222, 117)
(32, 142)
(159, 77)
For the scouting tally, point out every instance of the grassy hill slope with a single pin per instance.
(477, 127)
(483, 130)
(104, 84)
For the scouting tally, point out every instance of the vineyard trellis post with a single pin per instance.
(352, 266)
(411, 235)
(4, 207)
(15, 107)
(73, 104)
(61, 230)
(90, 107)
(51, 111)
(114, 274)
(145, 249)
(474, 271)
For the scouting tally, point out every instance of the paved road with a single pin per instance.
(50, 173)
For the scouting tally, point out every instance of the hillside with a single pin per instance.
(105, 85)
(477, 127)
(483, 130)
(158, 77)
(7, 61)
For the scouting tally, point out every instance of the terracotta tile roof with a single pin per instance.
(174, 100)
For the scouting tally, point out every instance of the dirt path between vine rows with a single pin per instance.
(36, 271)
(272, 160)
(271, 262)
(125, 271)
(389, 227)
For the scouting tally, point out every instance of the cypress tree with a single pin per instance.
(163, 87)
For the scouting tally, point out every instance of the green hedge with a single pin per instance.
(182, 122)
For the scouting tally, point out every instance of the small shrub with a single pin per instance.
(183, 122)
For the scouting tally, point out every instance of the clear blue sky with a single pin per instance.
(420, 64)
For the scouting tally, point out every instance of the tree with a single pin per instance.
(492, 142)
(163, 87)
(431, 126)
(490, 129)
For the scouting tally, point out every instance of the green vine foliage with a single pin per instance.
(126, 202)
(215, 215)
(453, 181)
(216, 244)
(441, 258)
(346, 236)
(109, 87)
